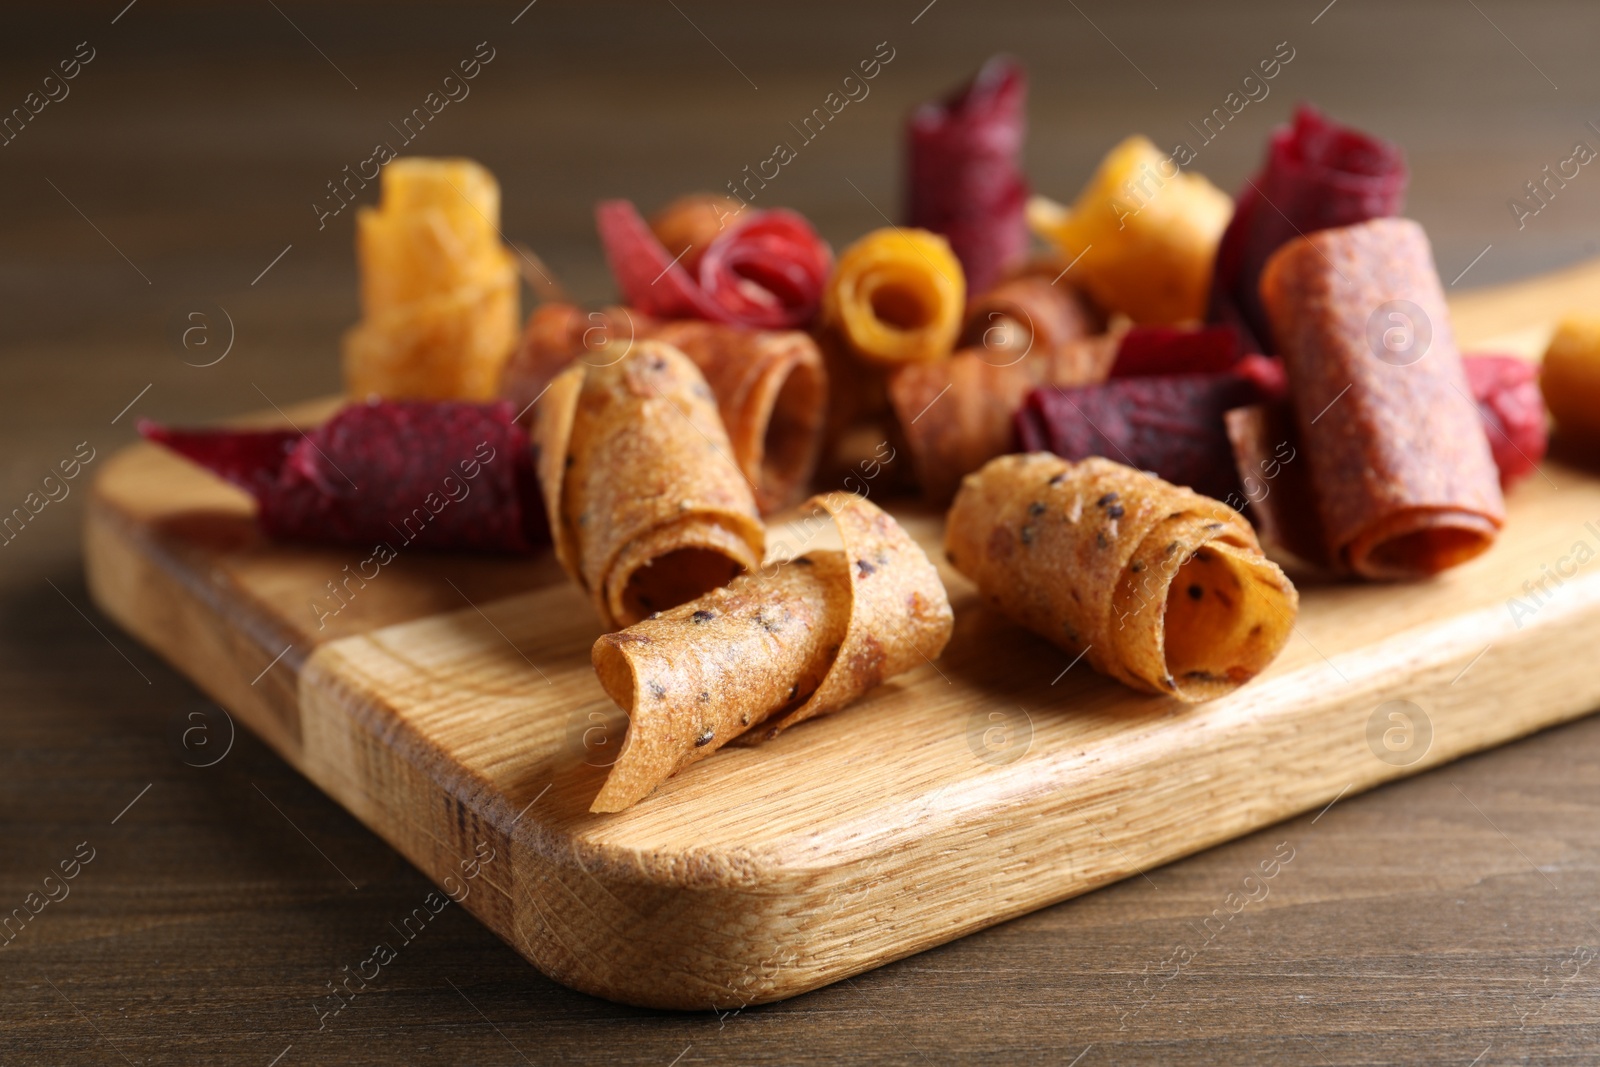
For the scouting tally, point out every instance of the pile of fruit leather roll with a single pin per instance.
(1399, 466)
(439, 291)
(964, 178)
(956, 414)
(436, 475)
(773, 648)
(770, 385)
(1157, 586)
(765, 270)
(647, 507)
(1317, 175)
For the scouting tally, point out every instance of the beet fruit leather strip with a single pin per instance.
(439, 475)
(1317, 175)
(1147, 350)
(645, 272)
(1404, 481)
(1170, 424)
(767, 272)
(964, 179)
(1507, 392)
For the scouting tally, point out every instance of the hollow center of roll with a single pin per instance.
(1216, 632)
(901, 306)
(790, 441)
(1427, 551)
(674, 578)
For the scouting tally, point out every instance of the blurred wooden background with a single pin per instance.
(1451, 919)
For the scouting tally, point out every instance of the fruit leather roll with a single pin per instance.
(1169, 424)
(647, 507)
(1159, 587)
(439, 290)
(764, 270)
(957, 414)
(1399, 465)
(770, 385)
(896, 296)
(436, 475)
(964, 176)
(1028, 313)
(1317, 175)
(799, 639)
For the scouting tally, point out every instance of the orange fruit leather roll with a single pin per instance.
(1400, 468)
(439, 291)
(896, 296)
(647, 507)
(956, 414)
(770, 385)
(798, 639)
(1161, 588)
(1145, 230)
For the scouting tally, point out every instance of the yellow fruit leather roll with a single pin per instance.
(439, 290)
(799, 639)
(1161, 588)
(896, 296)
(647, 507)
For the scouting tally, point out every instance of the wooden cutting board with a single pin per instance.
(450, 705)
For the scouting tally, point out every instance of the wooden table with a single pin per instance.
(1449, 919)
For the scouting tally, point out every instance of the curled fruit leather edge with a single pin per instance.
(1171, 424)
(1399, 461)
(1161, 588)
(1317, 175)
(443, 475)
(766, 272)
(797, 639)
(964, 178)
(647, 507)
(771, 386)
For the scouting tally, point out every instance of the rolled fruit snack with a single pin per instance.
(1318, 175)
(766, 270)
(770, 385)
(897, 296)
(439, 290)
(801, 638)
(1399, 463)
(1161, 588)
(959, 413)
(436, 475)
(964, 176)
(647, 506)
(1141, 236)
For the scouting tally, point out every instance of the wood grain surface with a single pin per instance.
(1449, 919)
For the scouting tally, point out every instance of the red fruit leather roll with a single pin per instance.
(1171, 425)
(1317, 175)
(1507, 392)
(438, 475)
(766, 272)
(964, 179)
(1399, 464)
